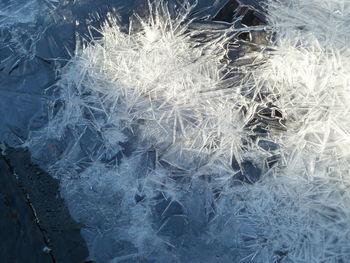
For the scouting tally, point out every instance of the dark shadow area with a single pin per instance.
(35, 225)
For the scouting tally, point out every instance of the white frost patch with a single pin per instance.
(149, 135)
(303, 215)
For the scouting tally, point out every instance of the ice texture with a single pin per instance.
(167, 151)
(36, 38)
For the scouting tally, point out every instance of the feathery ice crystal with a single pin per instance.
(302, 215)
(150, 135)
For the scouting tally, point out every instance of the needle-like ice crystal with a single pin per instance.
(167, 153)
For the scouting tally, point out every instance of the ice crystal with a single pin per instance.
(168, 153)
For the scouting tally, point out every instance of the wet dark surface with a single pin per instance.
(35, 222)
(21, 239)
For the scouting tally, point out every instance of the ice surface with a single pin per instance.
(144, 129)
(167, 151)
(36, 38)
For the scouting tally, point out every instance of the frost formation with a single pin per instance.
(167, 153)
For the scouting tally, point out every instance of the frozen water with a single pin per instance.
(143, 131)
(167, 152)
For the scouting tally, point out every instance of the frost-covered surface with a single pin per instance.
(36, 37)
(166, 153)
(21, 26)
(304, 210)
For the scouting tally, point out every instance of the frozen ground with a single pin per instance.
(180, 139)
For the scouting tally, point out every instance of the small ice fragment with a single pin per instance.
(47, 250)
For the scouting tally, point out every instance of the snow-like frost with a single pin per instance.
(157, 82)
(139, 116)
(154, 139)
(303, 214)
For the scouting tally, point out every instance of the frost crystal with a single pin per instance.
(168, 153)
